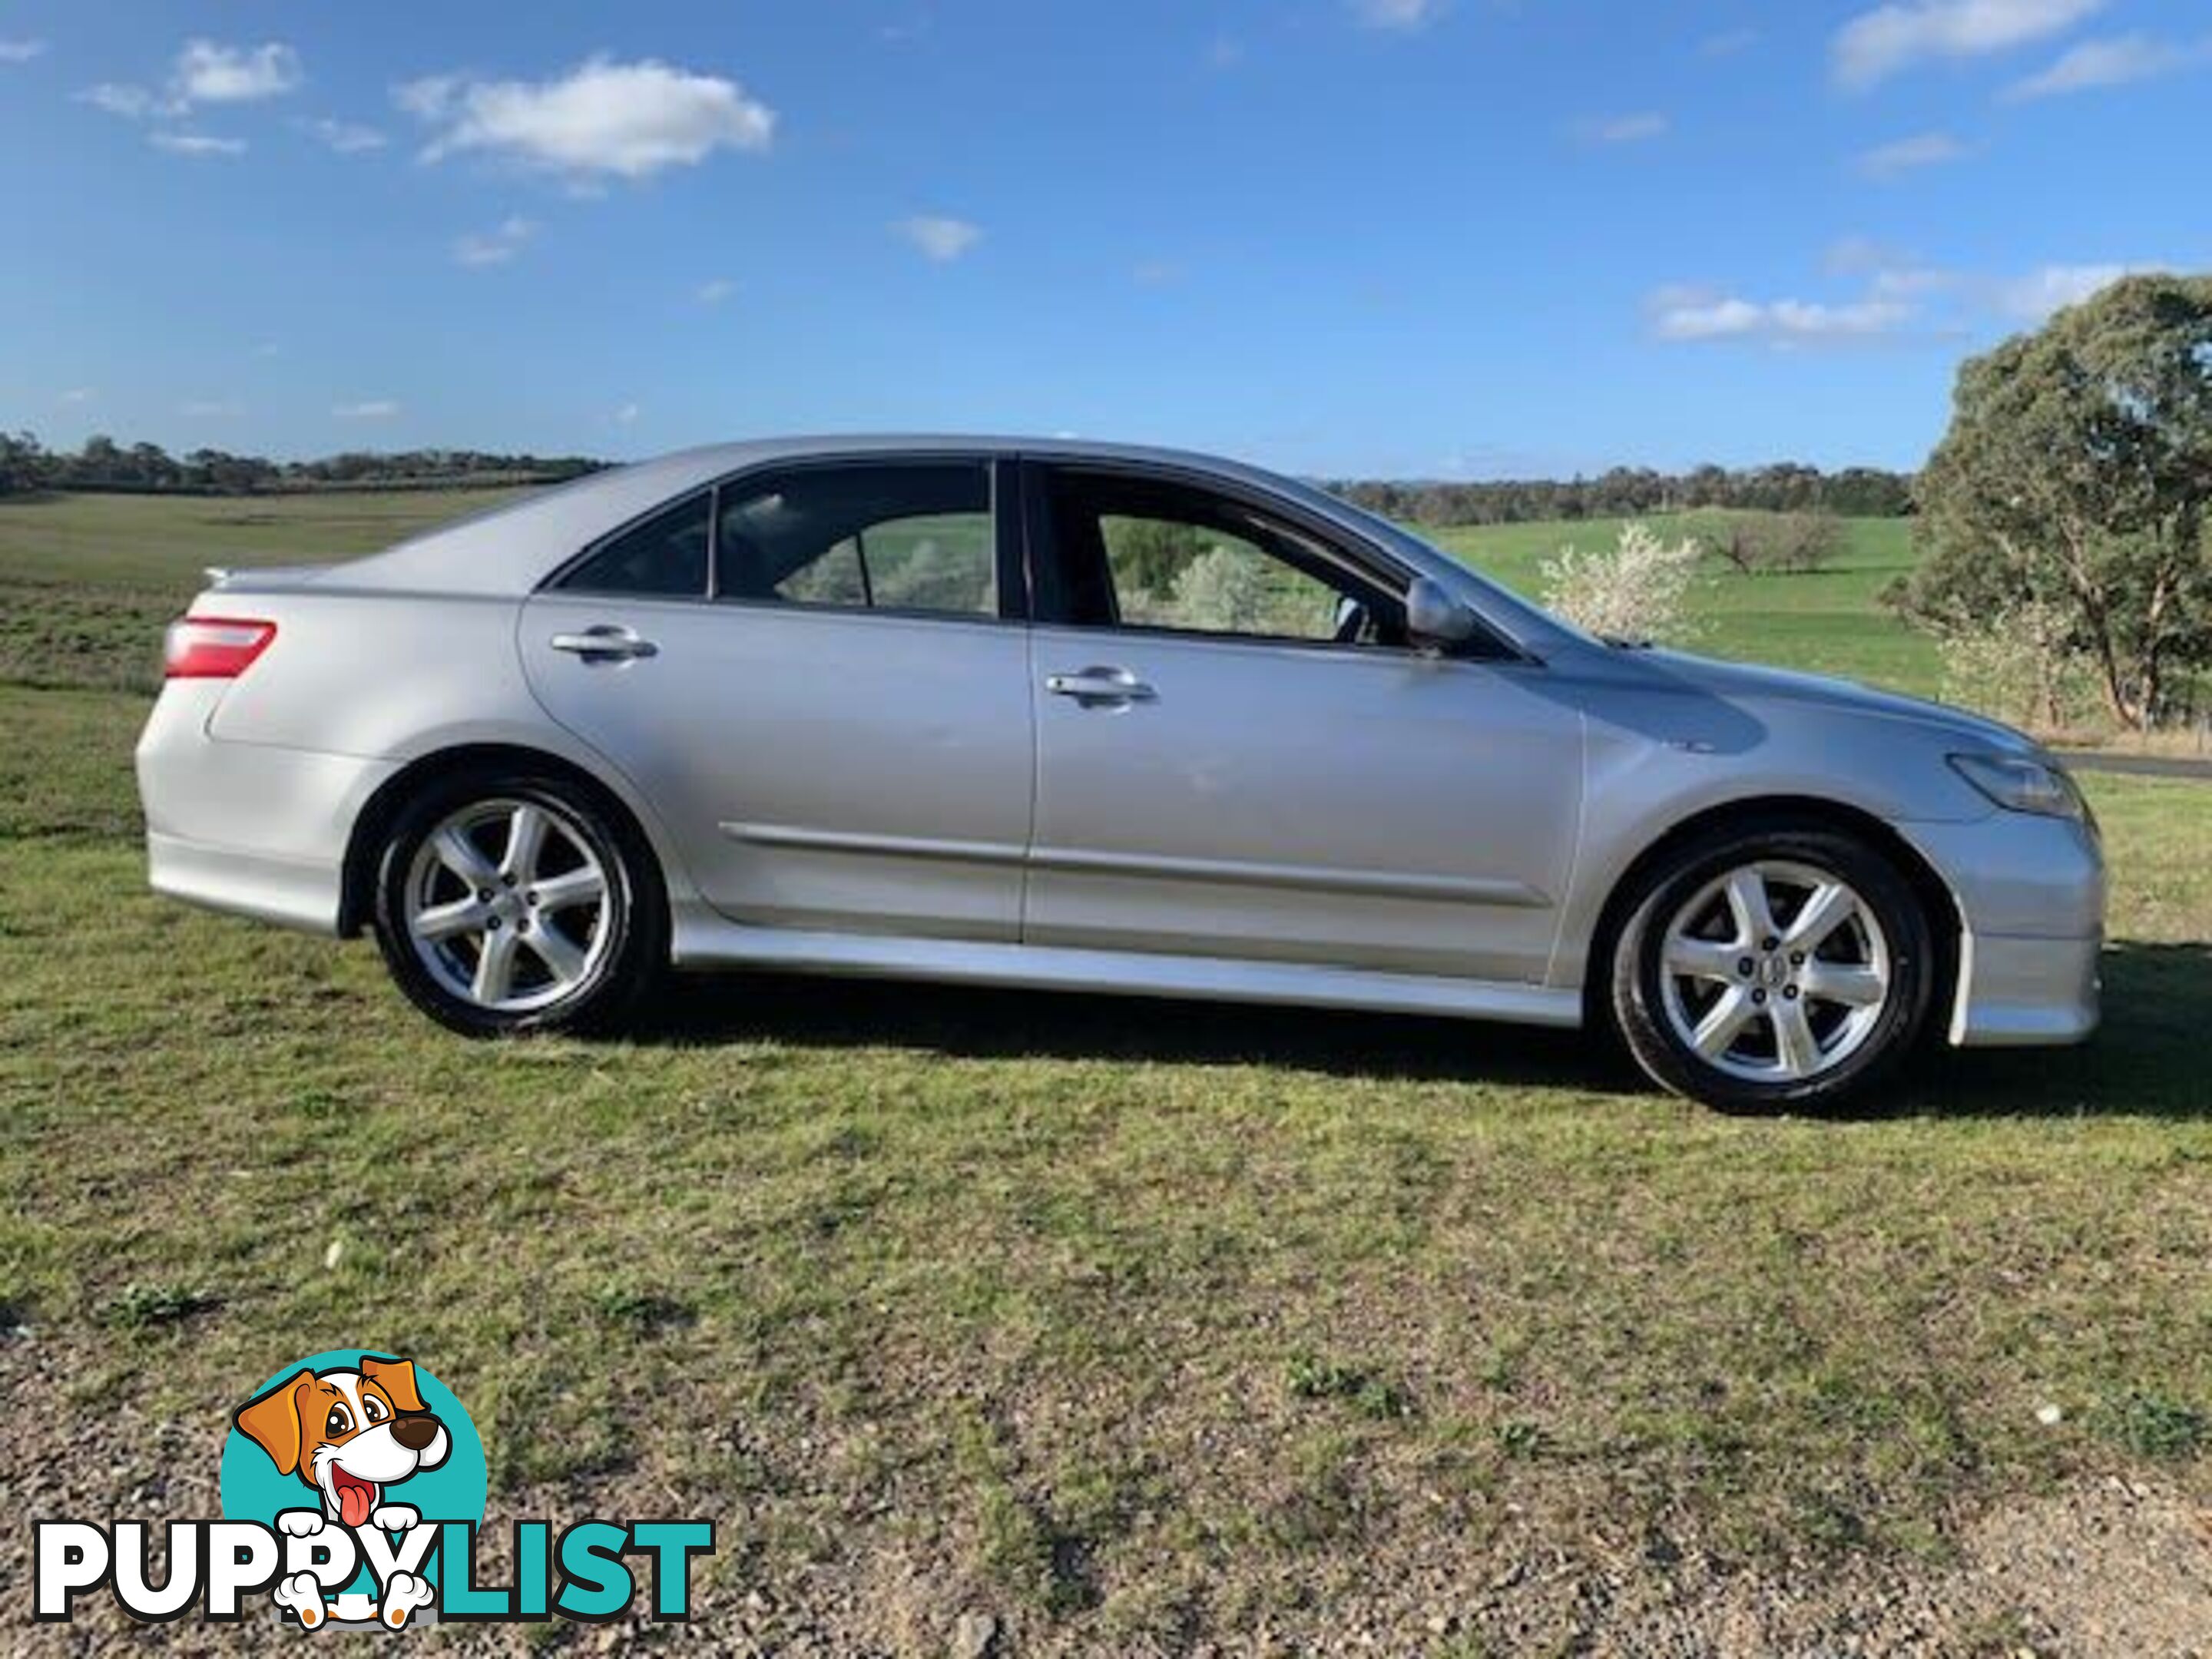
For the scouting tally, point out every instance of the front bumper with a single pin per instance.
(2030, 897)
(249, 827)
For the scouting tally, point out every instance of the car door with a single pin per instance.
(818, 674)
(1241, 755)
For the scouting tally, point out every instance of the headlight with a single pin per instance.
(2021, 784)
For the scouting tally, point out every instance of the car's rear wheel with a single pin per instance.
(516, 902)
(1780, 968)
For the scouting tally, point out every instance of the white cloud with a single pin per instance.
(1727, 43)
(2031, 298)
(627, 415)
(346, 138)
(1900, 296)
(713, 291)
(1638, 128)
(80, 394)
(207, 73)
(20, 52)
(204, 73)
(1156, 273)
(198, 145)
(1405, 17)
(1878, 43)
(210, 408)
(1924, 150)
(2111, 63)
(1889, 273)
(938, 237)
(496, 246)
(129, 102)
(629, 120)
(373, 409)
(1693, 315)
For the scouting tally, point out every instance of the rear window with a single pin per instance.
(663, 557)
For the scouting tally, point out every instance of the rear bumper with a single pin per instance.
(269, 887)
(249, 827)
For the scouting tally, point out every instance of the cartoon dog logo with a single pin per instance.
(350, 1435)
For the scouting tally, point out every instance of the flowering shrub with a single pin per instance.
(1638, 589)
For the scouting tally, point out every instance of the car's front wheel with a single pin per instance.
(1779, 968)
(516, 902)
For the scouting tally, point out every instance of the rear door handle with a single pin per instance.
(1097, 687)
(605, 642)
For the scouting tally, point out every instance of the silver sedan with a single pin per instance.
(1101, 719)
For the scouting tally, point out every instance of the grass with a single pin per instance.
(1135, 1324)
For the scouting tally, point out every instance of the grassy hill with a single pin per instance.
(1830, 623)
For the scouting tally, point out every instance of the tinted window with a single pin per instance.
(896, 536)
(664, 556)
(1170, 574)
(1140, 553)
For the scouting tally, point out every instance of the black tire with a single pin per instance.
(623, 944)
(1639, 998)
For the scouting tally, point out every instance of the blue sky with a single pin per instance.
(1406, 237)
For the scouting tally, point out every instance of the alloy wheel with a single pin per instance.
(506, 905)
(1775, 972)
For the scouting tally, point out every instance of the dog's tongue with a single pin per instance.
(354, 1502)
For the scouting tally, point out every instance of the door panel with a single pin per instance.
(1353, 806)
(820, 769)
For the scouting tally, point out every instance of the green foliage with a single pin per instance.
(1793, 543)
(2077, 472)
(28, 466)
(2151, 1426)
(1626, 492)
(1151, 554)
(141, 1307)
(1309, 1377)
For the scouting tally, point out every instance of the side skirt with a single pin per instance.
(705, 939)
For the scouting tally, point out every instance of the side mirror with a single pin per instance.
(1434, 616)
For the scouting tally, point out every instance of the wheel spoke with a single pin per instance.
(1724, 1023)
(563, 958)
(494, 974)
(1747, 902)
(1701, 958)
(1831, 905)
(1795, 1046)
(445, 922)
(525, 840)
(1844, 983)
(573, 887)
(458, 855)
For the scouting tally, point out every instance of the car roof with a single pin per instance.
(510, 550)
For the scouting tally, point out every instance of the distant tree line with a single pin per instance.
(1631, 492)
(27, 466)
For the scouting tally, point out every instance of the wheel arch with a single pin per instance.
(357, 885)
(1946, 922)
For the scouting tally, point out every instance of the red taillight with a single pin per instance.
(214, 647)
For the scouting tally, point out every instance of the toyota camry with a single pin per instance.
(1099, 719)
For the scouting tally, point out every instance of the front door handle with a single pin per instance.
(1101, 688)
(605, 642)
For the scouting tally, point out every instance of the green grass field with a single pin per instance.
(1829, 622)
(1135, 1326)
